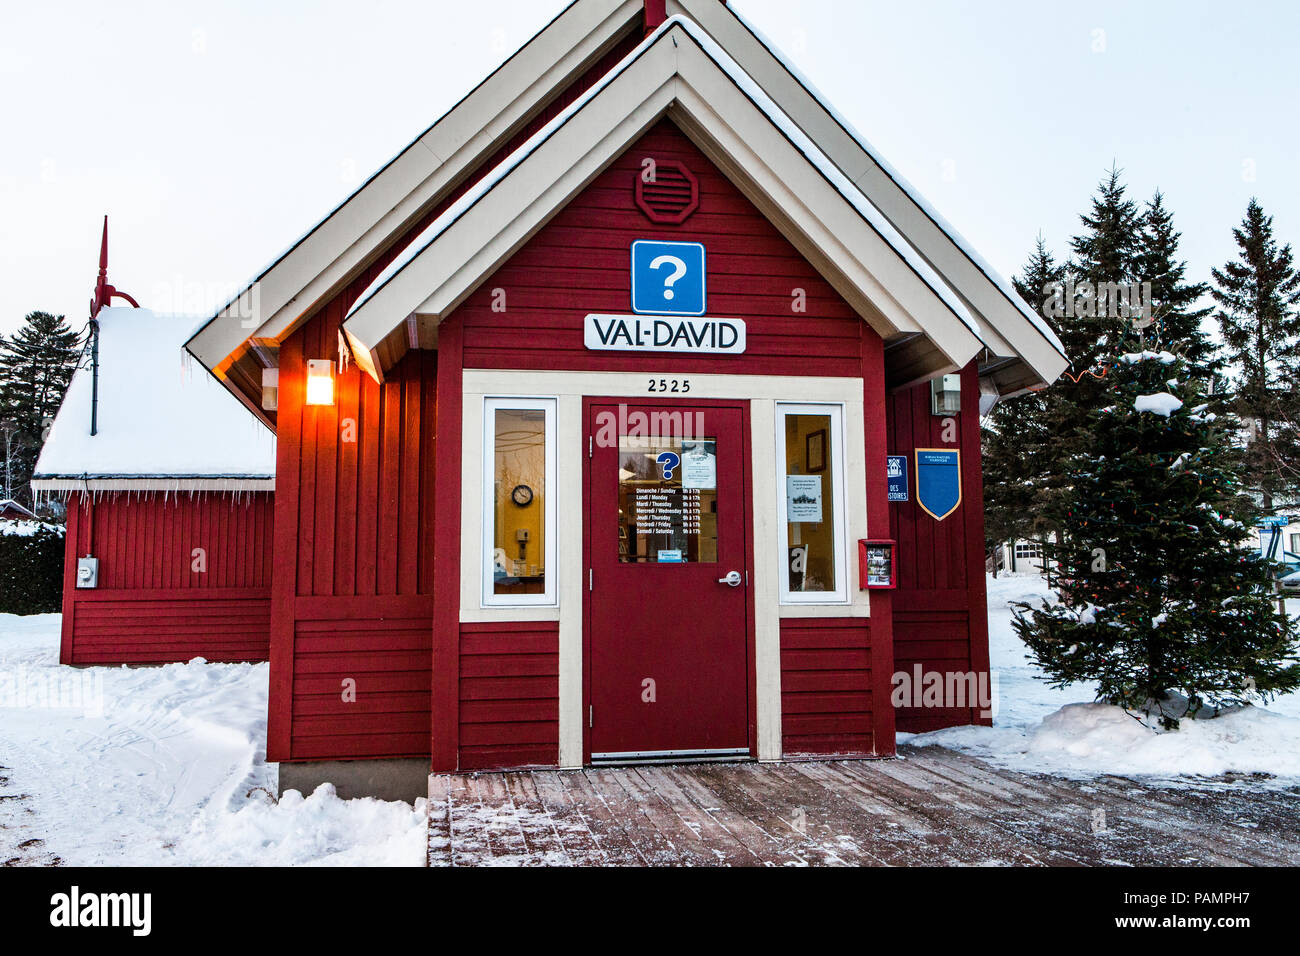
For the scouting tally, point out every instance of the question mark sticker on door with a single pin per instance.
(669, 462)
(668, 278)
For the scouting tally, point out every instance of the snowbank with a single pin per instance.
(166, 766)
(1042, 729)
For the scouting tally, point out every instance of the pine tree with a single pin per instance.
(1157, 595)
(1258, 296)
(36, 365)
(1179, 323)
(1108, 252)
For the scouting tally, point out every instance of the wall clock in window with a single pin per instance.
(522, 495)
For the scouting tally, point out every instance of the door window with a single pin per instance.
(667, 500)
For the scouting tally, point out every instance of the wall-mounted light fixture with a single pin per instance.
(320, 382)
(945, 395)
(270, 389)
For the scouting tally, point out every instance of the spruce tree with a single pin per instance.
(1259, 315)
(1157, 596)
(36, 365)
(1179, 322)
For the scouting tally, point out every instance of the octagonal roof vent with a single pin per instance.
(671, 195)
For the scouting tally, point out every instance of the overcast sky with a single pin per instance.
(214, 134)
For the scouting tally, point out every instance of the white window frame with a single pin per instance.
(839, 531)
(549, 598)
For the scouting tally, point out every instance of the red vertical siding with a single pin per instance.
(940, 611)
(151, 606)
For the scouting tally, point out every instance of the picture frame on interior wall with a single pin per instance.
(506, 561)
(815, 450)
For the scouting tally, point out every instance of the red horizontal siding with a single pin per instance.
(152, 626)
(826, 693)
(383, 646)
(509, 695)
(578, 263)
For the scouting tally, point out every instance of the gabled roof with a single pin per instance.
(162, 424)
(1020, 351)
(678, 71)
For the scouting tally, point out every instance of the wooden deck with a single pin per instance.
(931, 807)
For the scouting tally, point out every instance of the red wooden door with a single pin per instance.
(667, 520)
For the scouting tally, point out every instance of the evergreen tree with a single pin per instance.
(1157, 597)
(1259, 315)
(1108, 252)
(36, 365)
(1026, 475)
(1179, 323)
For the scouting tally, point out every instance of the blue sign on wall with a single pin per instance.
(667, 278)
(896, 473)
(938, 481)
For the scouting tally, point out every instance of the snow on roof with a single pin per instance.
(1003, 286)
(842, 184)
(159, 417)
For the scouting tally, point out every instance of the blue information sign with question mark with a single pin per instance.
(667, 278)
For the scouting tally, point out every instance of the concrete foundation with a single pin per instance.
(398, 779)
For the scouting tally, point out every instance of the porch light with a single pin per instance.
(270, 389)
(320, 382)
(945, 395)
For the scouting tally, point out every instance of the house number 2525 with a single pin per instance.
(670, 385)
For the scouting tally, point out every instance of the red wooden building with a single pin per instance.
(169, 485)
(533, 510)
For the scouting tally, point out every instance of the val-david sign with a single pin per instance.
(663, 333)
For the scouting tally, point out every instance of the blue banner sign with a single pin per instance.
(938, 481)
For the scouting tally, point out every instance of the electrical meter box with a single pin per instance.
(87, 572)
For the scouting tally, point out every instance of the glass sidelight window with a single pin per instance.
(810, 459)
(519, 501)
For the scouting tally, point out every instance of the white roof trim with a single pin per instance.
(120, 483)
(367, 322)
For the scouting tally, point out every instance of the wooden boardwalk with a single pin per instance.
(934, 806)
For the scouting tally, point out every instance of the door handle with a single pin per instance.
(732, 578)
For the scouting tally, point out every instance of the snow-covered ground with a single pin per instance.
(1040, 728)
(165, 766)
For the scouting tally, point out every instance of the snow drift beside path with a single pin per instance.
(1102, 738)
(166, 766)
(1047, 730)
